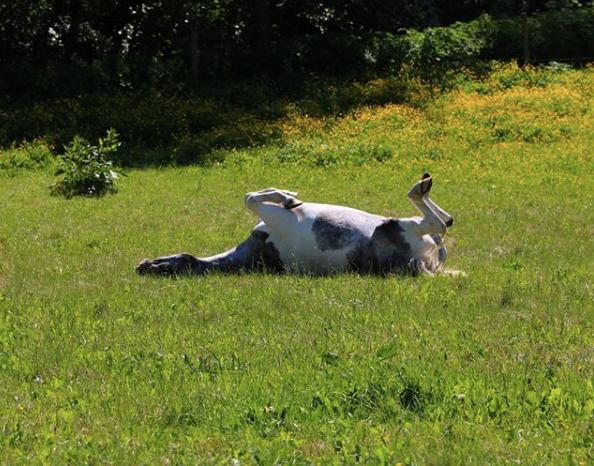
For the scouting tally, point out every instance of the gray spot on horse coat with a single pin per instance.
(386, 251)
(331, 232)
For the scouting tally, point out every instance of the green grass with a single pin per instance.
(98, 365)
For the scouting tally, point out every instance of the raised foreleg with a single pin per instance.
(442, 214)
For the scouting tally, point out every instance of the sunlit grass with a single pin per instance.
(100, 365)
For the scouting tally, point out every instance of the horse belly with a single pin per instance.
(303, 256)
(322, 237)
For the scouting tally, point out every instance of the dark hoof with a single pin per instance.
(421, 187)
(450, 222)
(144, 267)
(292, 203)
(425, 175)
(426, 183)
(149, 267)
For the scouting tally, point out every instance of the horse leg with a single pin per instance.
(287, 199)
(252, 254)
(442, 214)
(176, 264)
(274, 207)
(431, 223)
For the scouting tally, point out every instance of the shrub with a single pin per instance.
(85, 168)
(435, 54)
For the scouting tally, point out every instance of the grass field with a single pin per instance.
(98, 365)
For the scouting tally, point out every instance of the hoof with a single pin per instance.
(143, 267)
(426, 183)
(291, 203)
(421, 187)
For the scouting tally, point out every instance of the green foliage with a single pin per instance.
(158, 131)
(436, 54)
(506, 76)
(149, 122)
(327, 97)
(388, 351)
(85, 169)
(55, 49)
(154, 130)
(567, 34)
(181, 125)
(28, 155)
(323, 154)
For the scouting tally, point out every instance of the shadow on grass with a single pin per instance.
(160, 130)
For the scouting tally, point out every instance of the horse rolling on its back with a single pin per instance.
(312, 238)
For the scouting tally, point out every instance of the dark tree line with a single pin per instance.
(95, 45)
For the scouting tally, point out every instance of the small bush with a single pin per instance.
(437, 54)
(85, 168)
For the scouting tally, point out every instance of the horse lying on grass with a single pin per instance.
(305, 237)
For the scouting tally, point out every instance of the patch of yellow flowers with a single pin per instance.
(495, 117)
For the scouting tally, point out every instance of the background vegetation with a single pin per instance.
(347, 102)
(178, 79)
(100, 365)
(69, 47)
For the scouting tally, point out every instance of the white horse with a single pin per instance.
(311, 238)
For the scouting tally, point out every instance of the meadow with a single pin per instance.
(101, 366)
